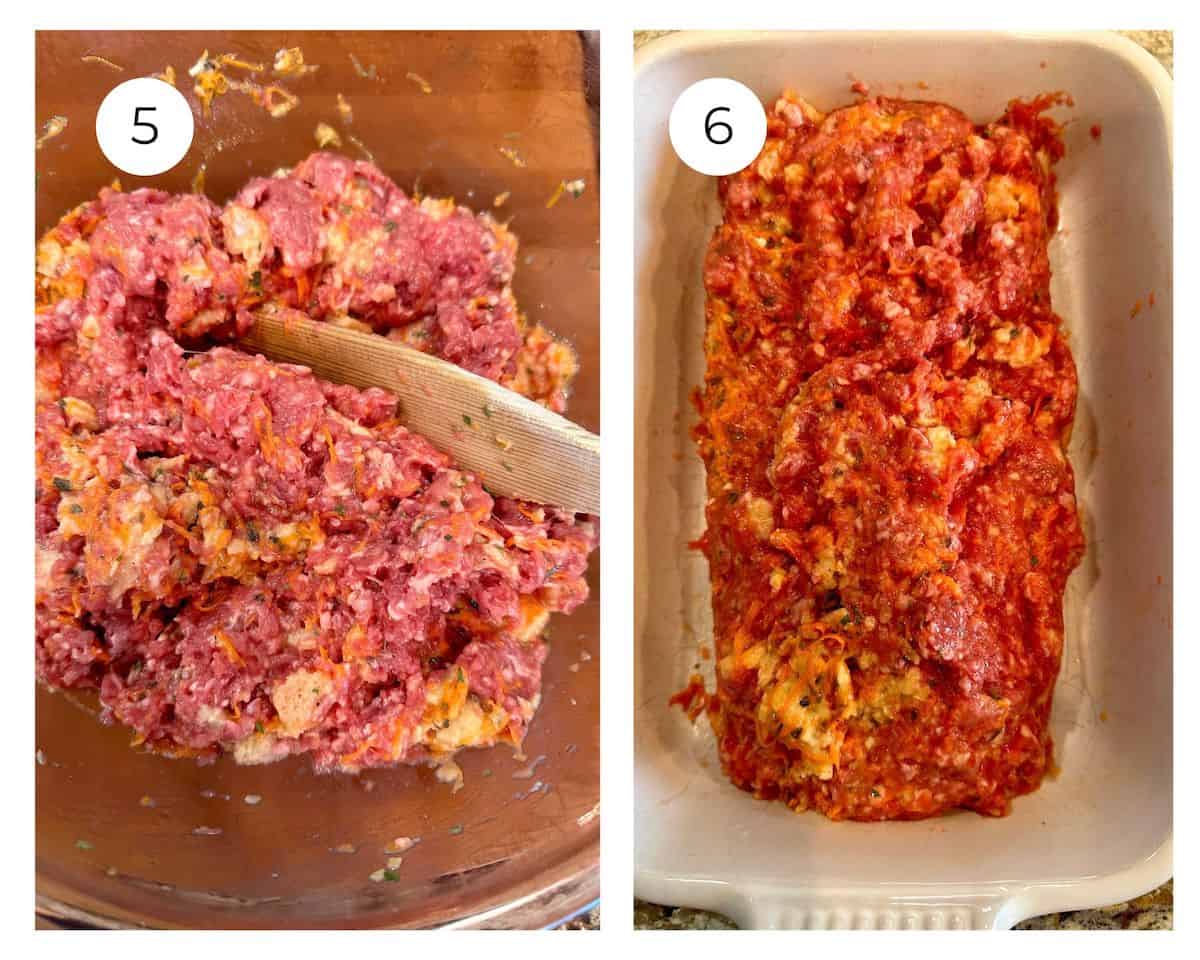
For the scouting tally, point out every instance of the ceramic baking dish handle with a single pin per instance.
(871, 912)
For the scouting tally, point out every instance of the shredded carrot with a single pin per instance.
(739, 640)
(179, 528)
(303, 287)
(266, 439)
(205, 605)
(231, 60)
(230, 649)
(512, 156)
(94, 58)
(419, 81)
(355, 754)
(397, 737)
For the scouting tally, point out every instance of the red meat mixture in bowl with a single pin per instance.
(239, 557)
(891, 514)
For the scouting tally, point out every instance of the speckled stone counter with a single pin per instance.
(1153, 911)
(585, 921)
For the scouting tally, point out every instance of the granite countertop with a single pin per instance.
(585, 921)
(1153, 911)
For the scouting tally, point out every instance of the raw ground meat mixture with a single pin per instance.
(240, 557)
(891, 515)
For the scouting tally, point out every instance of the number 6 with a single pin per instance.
(710, 125)
(138, 122)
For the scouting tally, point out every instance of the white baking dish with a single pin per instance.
(1101, 831)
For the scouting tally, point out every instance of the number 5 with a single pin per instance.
(710, 125)
(138, 122)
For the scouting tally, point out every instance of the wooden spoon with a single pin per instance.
(519, 448)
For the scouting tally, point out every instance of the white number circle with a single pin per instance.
(718, 126)
(144, 127)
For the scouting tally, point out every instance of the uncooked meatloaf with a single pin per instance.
(891, 517)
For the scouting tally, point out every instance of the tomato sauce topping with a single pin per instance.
(891, 516)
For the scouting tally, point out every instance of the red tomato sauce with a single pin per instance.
(891, 515)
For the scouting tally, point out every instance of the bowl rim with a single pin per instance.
(542, 902)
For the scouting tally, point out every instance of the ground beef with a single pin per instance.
(240, 557)
(335, 238)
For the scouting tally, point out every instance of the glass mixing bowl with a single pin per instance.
(126, 838)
